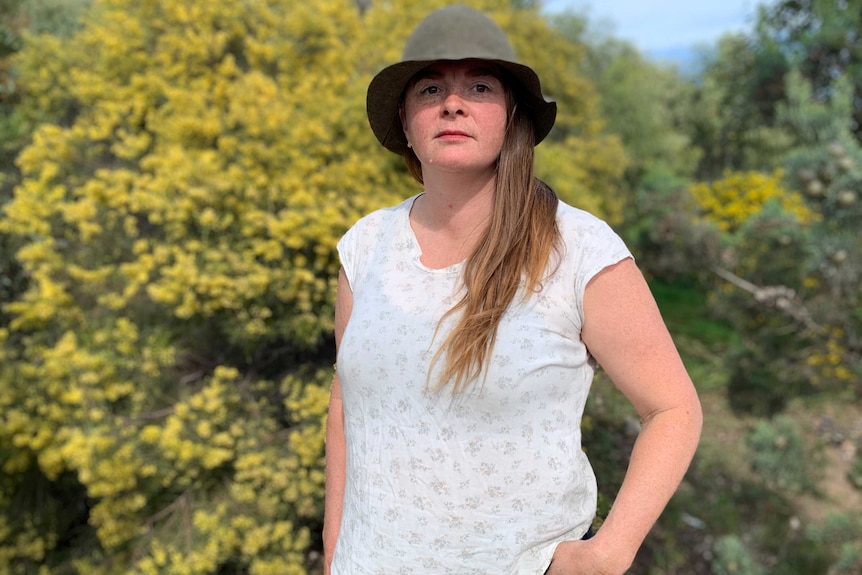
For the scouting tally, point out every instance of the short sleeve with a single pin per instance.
(602, 248)
(363, 242)
(590, 245)
(347, 250)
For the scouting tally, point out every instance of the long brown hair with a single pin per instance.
(515, 248)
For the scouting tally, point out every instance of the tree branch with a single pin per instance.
(781, 298)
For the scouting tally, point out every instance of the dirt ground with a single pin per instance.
(834, 427)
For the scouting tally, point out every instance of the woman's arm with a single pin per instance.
(335, 447)
(624, 331)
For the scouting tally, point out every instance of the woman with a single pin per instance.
(469, 320)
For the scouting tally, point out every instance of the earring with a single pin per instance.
(409, 145)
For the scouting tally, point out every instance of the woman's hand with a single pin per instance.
(587, 557)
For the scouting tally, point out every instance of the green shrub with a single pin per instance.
(855, 473)
(781, 458)
(733, 558)
(840, 536)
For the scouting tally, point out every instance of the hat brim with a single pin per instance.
(387, 87)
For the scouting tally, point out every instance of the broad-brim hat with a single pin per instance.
(452, 33)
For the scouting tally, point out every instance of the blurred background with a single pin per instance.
(673, 31)
(174, 175)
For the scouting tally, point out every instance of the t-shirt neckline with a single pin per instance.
(416, 249)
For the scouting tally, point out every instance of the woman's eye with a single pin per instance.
(429, 90)
(482, 88)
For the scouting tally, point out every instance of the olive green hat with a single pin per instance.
(452, 33)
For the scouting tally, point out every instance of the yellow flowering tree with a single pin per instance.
(177, 218)
(164, 369)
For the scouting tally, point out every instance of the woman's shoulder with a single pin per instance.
(377, 232)
(382, 218)
(578, 222)
(588, 245)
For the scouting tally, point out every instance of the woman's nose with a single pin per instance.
(453, 105)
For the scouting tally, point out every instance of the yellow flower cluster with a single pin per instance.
(732, 200)
(830, 365)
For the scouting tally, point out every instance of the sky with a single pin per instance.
(666, 29)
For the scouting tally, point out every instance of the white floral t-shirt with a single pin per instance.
(487, 482)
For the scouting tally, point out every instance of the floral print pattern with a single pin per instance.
(489, 481)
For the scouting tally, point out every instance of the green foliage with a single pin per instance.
(827, 165)
(780, 456)
(800, 255)
(752, 387)
(20, 18)
(661, 232)
(644, 104)
(55, 17)
(781, 172)
(733, 122)
(10, 43)
(766, 241)
(820, 38)
(855, 474)
(743, 81)
(841, 535)
(682, 307)
(732, 558)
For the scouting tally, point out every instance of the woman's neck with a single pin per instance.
(455, 203)
(451, 216)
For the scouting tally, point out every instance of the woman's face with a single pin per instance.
(455, 115)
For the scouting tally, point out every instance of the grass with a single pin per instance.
(684, 309)
(702, 340)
